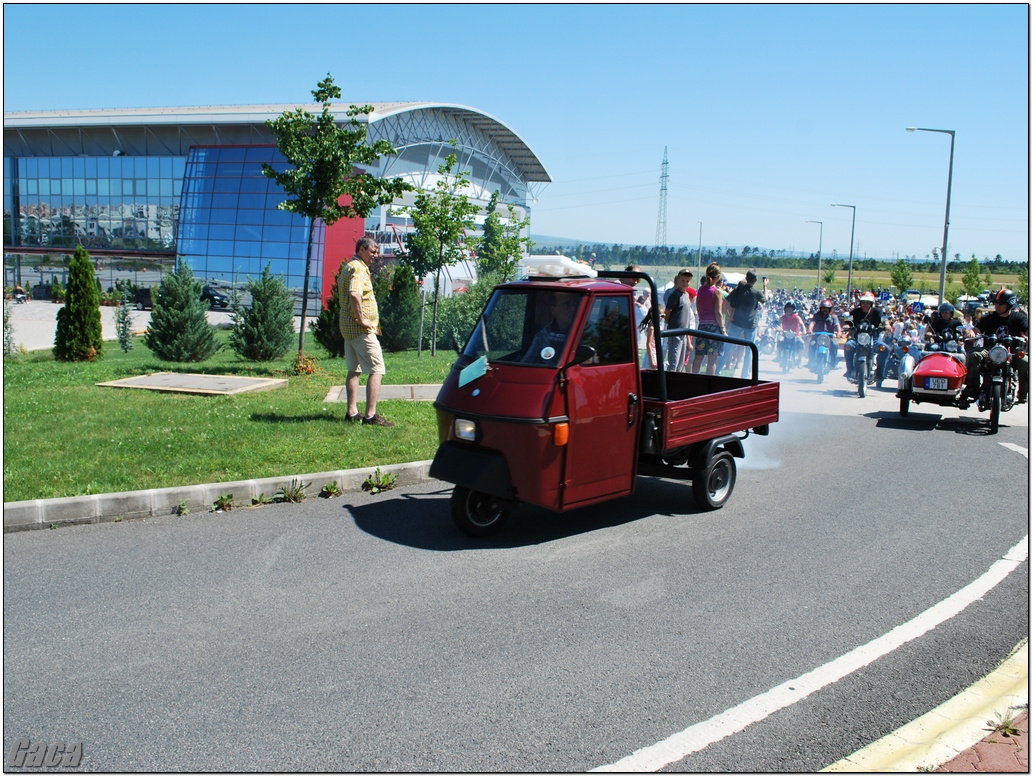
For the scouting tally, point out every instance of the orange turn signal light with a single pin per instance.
(561, 433)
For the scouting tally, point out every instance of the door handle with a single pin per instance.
(632, 404)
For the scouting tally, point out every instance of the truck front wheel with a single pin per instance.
(712, 485)
(477, 514)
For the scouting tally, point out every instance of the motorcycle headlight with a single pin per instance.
(952, 346)
(465, 429)
(998, 355)
(864, 339)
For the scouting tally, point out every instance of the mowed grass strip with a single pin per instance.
(66, 436)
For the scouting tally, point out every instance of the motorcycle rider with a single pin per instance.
(791, 322)
(1006, 319)
(824, 321)
(943, 319)
(865, 311)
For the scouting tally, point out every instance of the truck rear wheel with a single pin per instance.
(712, 485)
(477, 514)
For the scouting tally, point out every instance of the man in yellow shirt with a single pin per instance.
(360, 325)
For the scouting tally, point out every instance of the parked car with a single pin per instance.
(214, 298)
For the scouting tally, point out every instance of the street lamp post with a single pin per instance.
(850, 271)
(821, 229)
(947, 213)
(699, 256)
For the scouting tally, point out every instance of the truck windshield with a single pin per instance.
(524, 326)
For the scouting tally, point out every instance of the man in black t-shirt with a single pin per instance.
(1005, 320)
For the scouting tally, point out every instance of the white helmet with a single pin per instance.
(868, 297)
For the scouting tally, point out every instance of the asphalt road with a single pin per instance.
(365, 633)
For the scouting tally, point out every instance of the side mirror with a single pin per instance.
(584, 354)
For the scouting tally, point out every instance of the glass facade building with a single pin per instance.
(108, 202)
(231, 227)
(145, 187)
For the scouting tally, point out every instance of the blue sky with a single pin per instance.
(769, 113)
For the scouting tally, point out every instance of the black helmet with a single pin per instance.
(1006, 297)
(945, 307)
(789, 306)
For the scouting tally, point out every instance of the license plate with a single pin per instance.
(939, 384)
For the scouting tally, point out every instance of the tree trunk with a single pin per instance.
(434, 325)
(304, 291)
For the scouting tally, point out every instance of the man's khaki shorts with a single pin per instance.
(363, 354)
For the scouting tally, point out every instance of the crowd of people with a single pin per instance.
(744, 312)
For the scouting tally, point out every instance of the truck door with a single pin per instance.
(603, 404)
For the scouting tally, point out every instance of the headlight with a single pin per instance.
(998, 354)
(952, 346)
(864, 339)
(465, 429)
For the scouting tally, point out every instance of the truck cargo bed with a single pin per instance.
(702, 407)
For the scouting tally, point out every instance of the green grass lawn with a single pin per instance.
(66, 436)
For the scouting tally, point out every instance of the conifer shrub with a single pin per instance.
(78, 336)
(398, 300)
(179, 330)
(264, 331)
(327, 327)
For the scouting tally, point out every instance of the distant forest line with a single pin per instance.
(619, 256)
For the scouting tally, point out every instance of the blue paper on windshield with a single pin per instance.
(473, 371)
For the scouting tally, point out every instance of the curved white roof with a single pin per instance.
(21, 125)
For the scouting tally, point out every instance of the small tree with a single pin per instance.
(501, 245)
(264, 331)
(325, 159)
(327, 328)
(398, 297)
(901, 277)
(78, 336)
(10, 347)
(179, 330)
(124, 321)
(970, 280)
(441, 218)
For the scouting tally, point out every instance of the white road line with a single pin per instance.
(1017, 448)
(734, 720)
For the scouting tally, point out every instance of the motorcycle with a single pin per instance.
(20, 298)
(767, 342)
(865, 349)
(896, 353)
(790, 352)
(938, 374)
(821, 364)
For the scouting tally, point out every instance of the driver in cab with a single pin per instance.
(548, 343)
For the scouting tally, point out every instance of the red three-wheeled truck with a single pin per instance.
(547, 405)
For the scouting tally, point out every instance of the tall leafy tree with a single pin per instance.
(442, 217)
(179, 330)
(78, 336)
(325, 161)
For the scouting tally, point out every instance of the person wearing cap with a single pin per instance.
(745, 302)
(824, 321)
(865, 311)
(1006, 319)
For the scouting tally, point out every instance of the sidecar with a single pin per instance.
(935, 376)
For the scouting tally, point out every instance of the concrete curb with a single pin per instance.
(132, 505)
(956, 725)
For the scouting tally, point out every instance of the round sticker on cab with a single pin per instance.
(548, 352)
